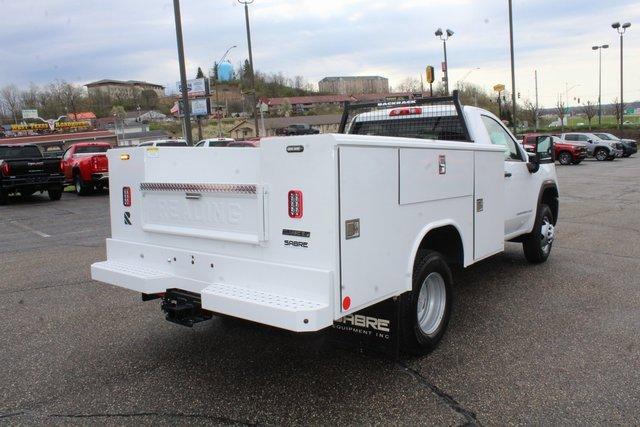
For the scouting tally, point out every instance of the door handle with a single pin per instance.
(507, 174)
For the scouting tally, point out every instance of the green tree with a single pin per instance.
(200, 74)
(148, 99)
(118, 111)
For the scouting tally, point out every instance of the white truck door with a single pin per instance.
(518, 182)
(368, 204)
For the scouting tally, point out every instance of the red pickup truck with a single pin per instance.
(85, 166)
(565, 152)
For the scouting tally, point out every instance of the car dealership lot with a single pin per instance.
(554, 343)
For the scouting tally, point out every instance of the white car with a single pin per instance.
(215, 142)
(313, 232)
(164, 143)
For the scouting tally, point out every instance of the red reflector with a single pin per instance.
(346, 303)
(6, 169)
(405, 111)
(126, 196)
(295, 204)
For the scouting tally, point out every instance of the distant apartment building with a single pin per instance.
(123, 89)
(347, 85)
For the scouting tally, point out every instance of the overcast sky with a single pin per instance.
(82, 41)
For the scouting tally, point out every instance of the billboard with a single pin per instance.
(29, 114)
(195, 87)
(198, 107)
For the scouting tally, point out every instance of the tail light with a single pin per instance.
(295, 204)
(407, 111)
(94, 163)
(6, 169)
(126, 196)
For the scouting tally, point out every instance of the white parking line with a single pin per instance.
(27, 228)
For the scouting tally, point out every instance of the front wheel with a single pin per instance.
(601, 154)
(425, 311)
(537, 244)
(565, 158)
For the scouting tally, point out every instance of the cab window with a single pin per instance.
(499, 136)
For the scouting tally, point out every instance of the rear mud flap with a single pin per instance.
(375, 329)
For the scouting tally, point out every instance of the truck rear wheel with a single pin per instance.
(55, 193)
(4, 197)
(81, 188)
(425, 311)
(537, 245)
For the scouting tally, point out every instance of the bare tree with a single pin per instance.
(10, 98)
(618, 110)
(560, 112)
(410, 84)
(530, 113)
(589, 109)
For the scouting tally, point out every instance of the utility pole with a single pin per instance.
(513, 71)
(537, 110)
(253, 77)
(599, 49)
(183, 74)
(444, 36)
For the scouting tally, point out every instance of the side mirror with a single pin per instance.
(534, 162)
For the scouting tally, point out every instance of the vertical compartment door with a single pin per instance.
(488, 204)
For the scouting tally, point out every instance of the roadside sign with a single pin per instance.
(29, 114)
(630, 111)
(499, 87)
(199, 107)
(430, 74)
(195, 87)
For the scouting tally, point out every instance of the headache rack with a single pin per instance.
(438, 118)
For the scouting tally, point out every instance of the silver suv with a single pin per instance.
(596, 147)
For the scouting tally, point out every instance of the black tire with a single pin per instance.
(81, 188)
(534, 245)
(565, 158)
(4, 197)
(601, 154)
(414, 340)
(55, 193)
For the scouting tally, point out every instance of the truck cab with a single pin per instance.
(317, 232)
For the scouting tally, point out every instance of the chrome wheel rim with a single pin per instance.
(548, 235)
(78, 186)
(431, 303)
(565, 158)
(601, 155)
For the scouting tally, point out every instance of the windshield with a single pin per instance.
(603, 136)
(9, 152)
(92, 149)
(441, 127)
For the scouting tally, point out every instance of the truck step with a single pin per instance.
(295, 314)
(141, 279)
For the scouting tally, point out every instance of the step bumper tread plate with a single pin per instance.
(136, 278)
(286, 312)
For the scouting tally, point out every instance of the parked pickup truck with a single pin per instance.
(24, 170)
(564, 151)
(316, 232)
(85, 166)
(301, 129)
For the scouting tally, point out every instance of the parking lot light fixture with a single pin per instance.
(599, 49)
(444, 36)
(621, 29)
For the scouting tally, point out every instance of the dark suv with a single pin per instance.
(629, 146)
(301, 129)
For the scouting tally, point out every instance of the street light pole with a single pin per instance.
(621, 29)
(444, 36)
(253, 77)
(183, 74)
(513, 71)
(599, 49)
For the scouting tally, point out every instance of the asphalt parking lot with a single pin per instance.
(557, 343)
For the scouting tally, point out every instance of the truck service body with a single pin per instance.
(308, 230)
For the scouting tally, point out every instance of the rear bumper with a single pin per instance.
(37, 182)
(295, 298)
(100, 178)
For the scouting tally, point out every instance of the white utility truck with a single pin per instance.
(309, 232)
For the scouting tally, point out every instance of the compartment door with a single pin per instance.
(368, 208)
(488, 204)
